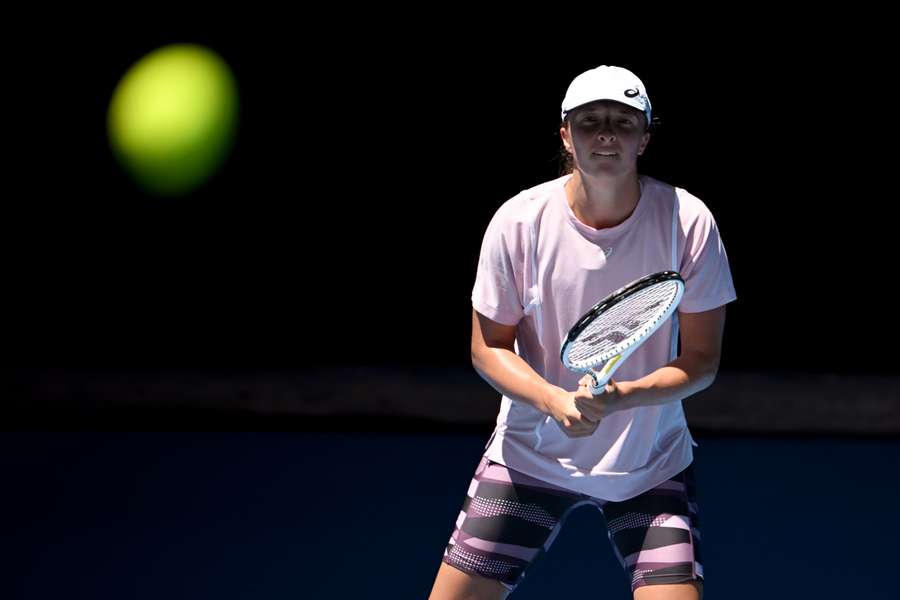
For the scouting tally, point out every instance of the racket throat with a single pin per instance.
(604, 374)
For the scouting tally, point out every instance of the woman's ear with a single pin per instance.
(644, 142)
(566, 139)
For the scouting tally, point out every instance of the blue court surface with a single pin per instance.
(280, 514)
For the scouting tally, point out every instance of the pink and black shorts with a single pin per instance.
(508, 518)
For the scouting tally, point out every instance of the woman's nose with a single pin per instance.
(605, 132)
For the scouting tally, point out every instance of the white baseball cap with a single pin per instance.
(607, 83)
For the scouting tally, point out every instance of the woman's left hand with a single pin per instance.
(604, 404)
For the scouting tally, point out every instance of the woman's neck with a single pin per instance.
(605, 203)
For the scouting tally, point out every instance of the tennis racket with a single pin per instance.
(614, 328)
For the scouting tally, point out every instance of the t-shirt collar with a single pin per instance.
(596, 234)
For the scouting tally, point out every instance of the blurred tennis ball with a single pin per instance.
(172, 118)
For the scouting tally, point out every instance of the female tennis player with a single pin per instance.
(549, 254)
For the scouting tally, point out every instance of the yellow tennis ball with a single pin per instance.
(172, 118)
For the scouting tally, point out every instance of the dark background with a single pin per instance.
(346, 225)
(323, 279)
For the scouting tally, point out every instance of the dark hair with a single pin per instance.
(567, 161)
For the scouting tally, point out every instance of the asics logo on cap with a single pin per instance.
(632, 92)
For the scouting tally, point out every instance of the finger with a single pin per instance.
(589, 416)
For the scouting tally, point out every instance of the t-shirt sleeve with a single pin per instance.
(498, 276)
(704, 263)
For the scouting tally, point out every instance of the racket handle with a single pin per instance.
(605, 374)
(597, 388)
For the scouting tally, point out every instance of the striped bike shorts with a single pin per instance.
(508, 518)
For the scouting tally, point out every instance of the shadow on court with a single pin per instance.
(366, 515)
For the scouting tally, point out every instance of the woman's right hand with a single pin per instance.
(563, 407)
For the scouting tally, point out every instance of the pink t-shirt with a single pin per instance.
(541, 269)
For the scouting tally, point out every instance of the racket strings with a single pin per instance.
(623, 324)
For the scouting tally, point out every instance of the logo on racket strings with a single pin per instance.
(623, 331)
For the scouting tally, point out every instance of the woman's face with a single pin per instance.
(605, 137)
